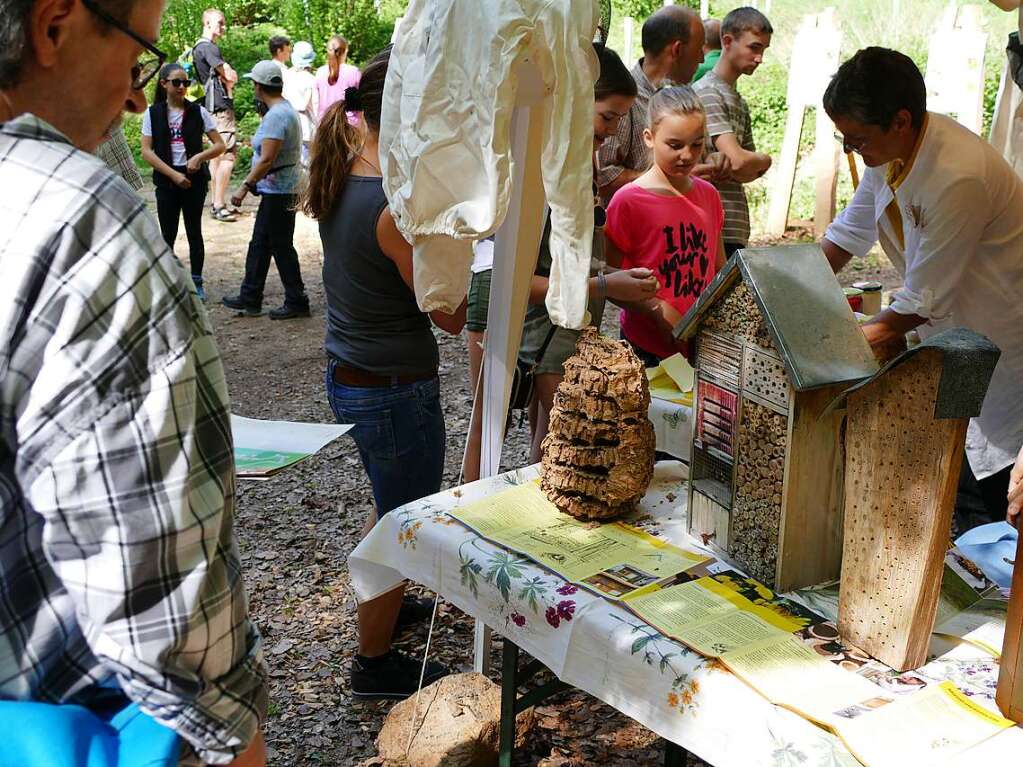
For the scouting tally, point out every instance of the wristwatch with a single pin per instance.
(249, 185)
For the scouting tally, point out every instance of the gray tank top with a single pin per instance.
(373, 321)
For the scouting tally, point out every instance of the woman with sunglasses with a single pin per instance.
(172, 143)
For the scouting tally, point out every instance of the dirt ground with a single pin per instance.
(297, 529)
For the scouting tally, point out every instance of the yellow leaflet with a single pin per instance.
(787, 625)
(522, 519)
(680, 371)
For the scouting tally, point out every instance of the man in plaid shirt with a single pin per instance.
(119, 569)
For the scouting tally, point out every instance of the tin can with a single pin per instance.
(855, 298)
(871, 296)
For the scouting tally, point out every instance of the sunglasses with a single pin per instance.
(144, 70)
(177, 82)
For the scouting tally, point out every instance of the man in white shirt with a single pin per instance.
(948, 211)
(280, 53)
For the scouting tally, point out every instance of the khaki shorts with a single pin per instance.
(227, 127)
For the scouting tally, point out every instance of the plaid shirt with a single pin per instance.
(118, 562)
(116, 153)
(626, 148)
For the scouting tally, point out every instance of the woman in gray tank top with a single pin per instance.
(382, 355)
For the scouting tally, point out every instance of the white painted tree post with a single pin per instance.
(814, 60)
(516, 246)
(955, 66)
(628, 27)
(704, 9)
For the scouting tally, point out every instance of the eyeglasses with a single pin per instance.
(849, 147)
(177, 82)
(143, 71)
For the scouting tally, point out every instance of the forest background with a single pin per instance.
(368, 25)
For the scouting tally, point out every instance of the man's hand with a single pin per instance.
(630, 285)
(238, 196)
(181, 180)
(715, 167)
(1016, 493)
(193, 165)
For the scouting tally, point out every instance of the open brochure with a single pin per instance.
(612, 559)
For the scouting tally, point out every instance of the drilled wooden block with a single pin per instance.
(902, 469)
(759, 484)
(764, 379)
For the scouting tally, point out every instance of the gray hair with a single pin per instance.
(679, 100)
(15, 47)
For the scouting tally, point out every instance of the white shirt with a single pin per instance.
(445, 148)
(300, 91)
(962, 221)
(177, 140)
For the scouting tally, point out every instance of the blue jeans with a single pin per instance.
(399, 431)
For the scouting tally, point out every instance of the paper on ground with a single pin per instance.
(267, 446)
(613, 559)
(924, 728)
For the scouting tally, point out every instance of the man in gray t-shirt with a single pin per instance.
(275, 176)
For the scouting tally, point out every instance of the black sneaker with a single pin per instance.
(414, 610)
(395, 676)
(289, 312)
(236, 303)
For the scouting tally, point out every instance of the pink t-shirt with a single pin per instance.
(677, 238)
(329, 94)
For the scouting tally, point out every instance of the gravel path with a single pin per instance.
(297, 529)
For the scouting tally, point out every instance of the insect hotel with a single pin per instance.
(775, 340)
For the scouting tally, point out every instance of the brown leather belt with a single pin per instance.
(346, 375)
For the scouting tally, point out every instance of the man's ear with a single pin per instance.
(726, 40)
(903, 120)
(676, 49)
(51, 25)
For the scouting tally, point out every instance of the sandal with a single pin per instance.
(223, 214)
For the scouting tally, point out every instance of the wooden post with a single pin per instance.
(629, 26)
(826, 154)
(901, 473)
(704, 8)
(955, 66)
(814, 59)
(1010, 676)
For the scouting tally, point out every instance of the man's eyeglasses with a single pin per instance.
(143, 71)
(849, 146)
(177, 82)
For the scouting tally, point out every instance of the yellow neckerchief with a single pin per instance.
(897, 172)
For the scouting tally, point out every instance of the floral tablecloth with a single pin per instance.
(600, 648)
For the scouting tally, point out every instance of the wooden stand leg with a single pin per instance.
(674, 755)
(1010, 676)
(509, 691)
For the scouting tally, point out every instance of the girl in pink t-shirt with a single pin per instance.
(668, 221)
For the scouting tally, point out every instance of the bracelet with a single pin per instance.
(602, 284)
(249, 185)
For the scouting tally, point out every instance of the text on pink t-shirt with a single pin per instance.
(674, 236)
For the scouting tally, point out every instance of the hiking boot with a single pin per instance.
(236, 303)
(289, 312)
(414, 610)
(197, 281)
(394, 676)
